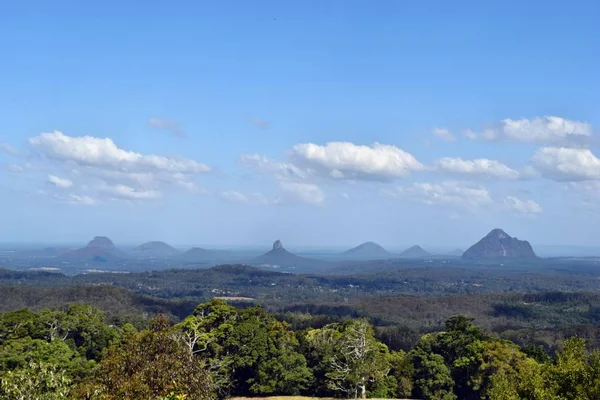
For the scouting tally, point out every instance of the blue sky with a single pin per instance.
(315, 122)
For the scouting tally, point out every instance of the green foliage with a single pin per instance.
(220, 350)
(354, 359)
(36, 381)
(150, 364)
(432, 376)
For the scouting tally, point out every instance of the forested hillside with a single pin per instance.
(219, 351)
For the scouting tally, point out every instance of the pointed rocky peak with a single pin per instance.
(101, 242)
(498, 244)
(277, 245)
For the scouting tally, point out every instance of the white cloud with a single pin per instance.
(125, 192)
(548, 129)
(92, 151)
(455, 194)
(167, 125)
(307, 193)
(115, 171)
(345, 195)
(61, 183)
(479, 167)
(84, 200)
(524, 207)
(71, 198)
(567, 164)
(444, 134)
(345, 160)
(465, 196)
(234, 197)
(252, 198)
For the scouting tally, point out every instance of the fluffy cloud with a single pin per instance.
(113, 172)
(455, 194)
(167, 125)
(345, 160)
(525, 207)
(461, 195)
(444, 134)
(307, 193)
(479, 167)
(567, 164)
(92, 151)
(548, 129)
(60, 183)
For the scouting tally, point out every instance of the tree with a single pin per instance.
(571, 375)
(433, 380)
(150, 364)
(38, 381)
(403, 371)
(354, 358)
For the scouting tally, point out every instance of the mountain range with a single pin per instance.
(100, 249)
(495, 245)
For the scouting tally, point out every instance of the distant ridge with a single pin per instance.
(155, 249)
(414, 252)
(367, 250)
(198, 254)
(498, 244)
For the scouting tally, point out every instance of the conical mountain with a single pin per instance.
(415, 252)
(367, 250)
(498, 244)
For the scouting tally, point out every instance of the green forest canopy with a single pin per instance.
(219, 350)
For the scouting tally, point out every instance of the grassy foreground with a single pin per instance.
(291, 398)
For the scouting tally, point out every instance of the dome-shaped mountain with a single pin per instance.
(367, 250)
(101, 242)
(99, 250)
(498, 244)
(415, 252)
(155, 249)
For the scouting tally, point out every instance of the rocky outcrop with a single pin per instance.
(498, 244)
